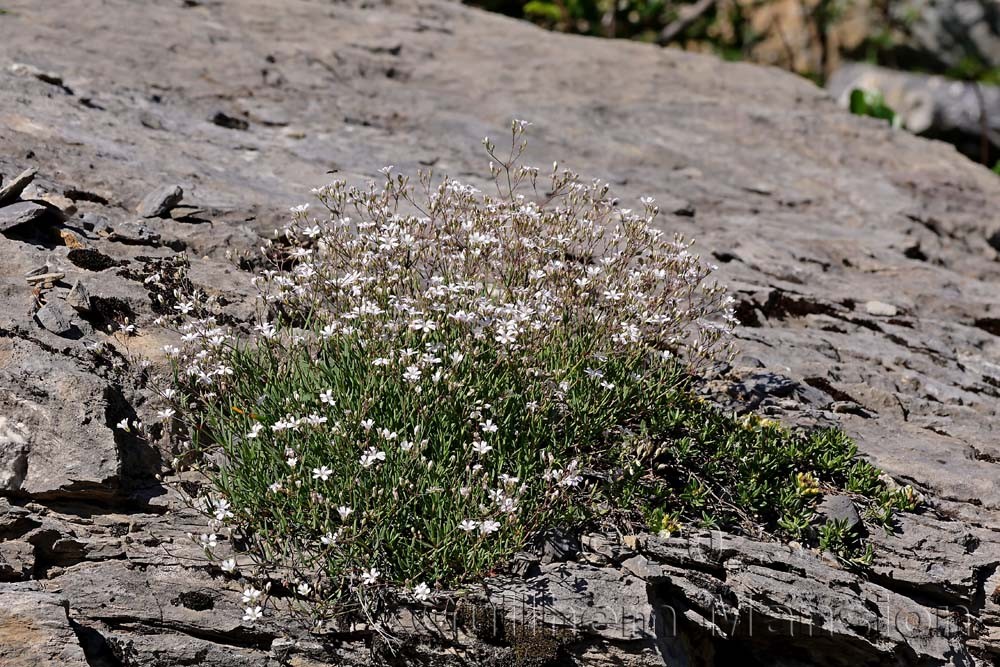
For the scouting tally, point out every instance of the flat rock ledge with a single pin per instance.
(864, 262)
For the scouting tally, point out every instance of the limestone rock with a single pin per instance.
(57, 317)
(62, 438)
(881, 309)
(810, 213)
(79, 297)
(21, 213)
(35, 630)
(10, 192)
(839, 508)
(157, 204)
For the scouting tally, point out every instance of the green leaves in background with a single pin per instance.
(871, 103)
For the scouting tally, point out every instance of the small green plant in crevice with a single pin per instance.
(872, 103)
(438, 373)
(837, 536)
(699, 467)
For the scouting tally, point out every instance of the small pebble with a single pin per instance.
(881, 309)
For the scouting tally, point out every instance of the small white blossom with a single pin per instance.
(322, 473)
(370, 576)
(371, 457)
(251, 595)
(489, 526)
(253, 614)
(422, 592)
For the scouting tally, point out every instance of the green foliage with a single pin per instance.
(996, 167)
(634, 19)
(871, 103)
(840, 539)
(703, 468)
(426, 391)
(649, 448)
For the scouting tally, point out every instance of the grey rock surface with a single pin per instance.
(21, 213)
(841, 509)
(35, 630)
(12, 190)
(159, 202)
(79, 297)
(56, 317)
(811, 214)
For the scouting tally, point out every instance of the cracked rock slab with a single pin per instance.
(57, 439)
(35, 631)
(21, 213)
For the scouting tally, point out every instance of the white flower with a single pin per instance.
(612, 295)
(274, 488)
(292, 461)
(287, 424)
(298, 210)
(222, 509)
(171, 350)
(507, 505)
(327, 397)
(255, 430)
(314, 420)
(370, 576)
(228, 565)
(412, 374)
(488, 426)
(250, 595)
(469, 525)
(267, 330)
(481, 448)
(303, 588)
(607, 385)
(489, 526)
(209, 541)
(123, 425)
(367, 424)
(344, 512)
(422, 592)
(506, 337)
(328, 539)
(593, 374)
(371, 457)
(322, 473)
(253, 614)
